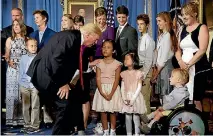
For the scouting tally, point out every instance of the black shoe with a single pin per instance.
(48, 125)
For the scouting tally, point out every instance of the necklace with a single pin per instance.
(104, 28)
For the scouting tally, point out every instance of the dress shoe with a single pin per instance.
(48, 125)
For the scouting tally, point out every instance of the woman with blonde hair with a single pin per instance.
(15, 48)
(191, 53)
(166, 46)
(67, 22)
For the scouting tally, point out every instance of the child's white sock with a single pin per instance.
(112, 132)
(151, 123)
(106, 132)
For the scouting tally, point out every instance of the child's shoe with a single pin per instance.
(106, 132)
(112, 132)
(145, 129)
(98, 129)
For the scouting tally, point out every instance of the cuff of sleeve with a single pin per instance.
(160, 64)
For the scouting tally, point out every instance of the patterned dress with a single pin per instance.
(13, 96)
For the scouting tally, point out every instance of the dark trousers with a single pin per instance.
(68, 114)
(201, 83)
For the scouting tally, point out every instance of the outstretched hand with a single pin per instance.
(95, 62)
(64, 91)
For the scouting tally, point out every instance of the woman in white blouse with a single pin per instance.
(166, 46)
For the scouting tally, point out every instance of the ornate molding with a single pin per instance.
(149, 9)
(20, 4)
(95, 4)
(66, 3)
(101, 3)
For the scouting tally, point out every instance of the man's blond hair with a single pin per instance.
(91, 28)
(30, 39)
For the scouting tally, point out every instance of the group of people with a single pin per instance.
(58, 71)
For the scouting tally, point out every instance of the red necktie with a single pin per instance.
(81, 68)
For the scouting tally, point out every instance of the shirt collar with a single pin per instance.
(43, 31)
(144, 35)
(123, 25)
(82, 39)
(30, 54)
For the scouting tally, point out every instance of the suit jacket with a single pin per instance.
(48, 33)
(57, 62)
(127, 41)
(7, 32)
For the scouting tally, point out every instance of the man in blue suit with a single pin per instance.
(43, 34)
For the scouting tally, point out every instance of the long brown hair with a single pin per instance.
(167, 18)
(22, 27)
(69, 16)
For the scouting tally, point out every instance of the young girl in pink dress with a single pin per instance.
(133, 100)
(107, 97)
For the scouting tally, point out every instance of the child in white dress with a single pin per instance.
(107, 97)
(133, 101)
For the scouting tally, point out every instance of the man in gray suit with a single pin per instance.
(126, 36)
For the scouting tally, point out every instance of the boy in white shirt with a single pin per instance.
(146, 47)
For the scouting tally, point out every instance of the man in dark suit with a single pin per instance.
(126, 36)
(6, 32)
(44, 33)
(42, 36)
(126, 39)
(87, 57)
(52, 70)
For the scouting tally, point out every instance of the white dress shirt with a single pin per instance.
(146, 47)
(120, 28)
(41, 33)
